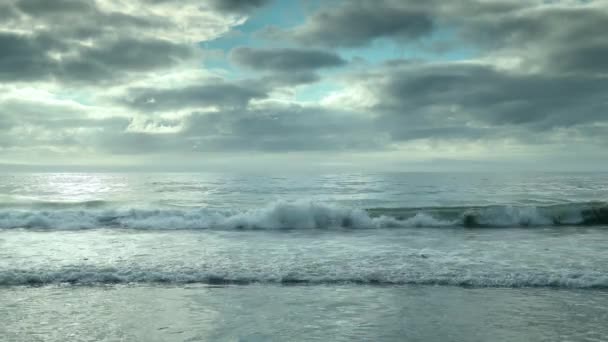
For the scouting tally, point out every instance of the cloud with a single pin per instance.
(541, 69)
(25, 57)
(588, 58)
(357, 23)
(224, 6)
(94, 43)
(475, 101)
(285, 60)
(565, 37)
(264, 129)
(286, 66)
(102, 42)
(75, 21)
(238, 6)
(286, 128)
(42, 7)
(214, 93)
(112, 78)
(281, 79)
(29, 124)
(112, 59)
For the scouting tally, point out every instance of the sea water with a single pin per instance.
(340, 257)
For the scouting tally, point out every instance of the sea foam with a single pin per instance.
(86, 275)
(301, 215)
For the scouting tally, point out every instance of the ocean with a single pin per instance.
(333, 257)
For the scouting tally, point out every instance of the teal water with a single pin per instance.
(344, 257)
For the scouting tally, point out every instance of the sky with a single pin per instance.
(396, 85)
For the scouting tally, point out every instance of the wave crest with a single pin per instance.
(89, 276)
(304, 215)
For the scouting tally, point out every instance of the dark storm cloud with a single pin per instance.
(218, 93)
(357, 23)
(285, 60)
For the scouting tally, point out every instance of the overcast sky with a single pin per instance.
(304, 84)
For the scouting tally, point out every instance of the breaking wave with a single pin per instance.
(299, 215)
(89, 276)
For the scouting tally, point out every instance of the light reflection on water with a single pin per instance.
(215, 190)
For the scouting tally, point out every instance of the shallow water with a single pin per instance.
(301, 313)
(557, 257)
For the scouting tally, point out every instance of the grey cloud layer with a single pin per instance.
(540, 70)
(557, 81)
(285, 60)
(358, 22)
(564, 35)
(238, 5)
(437, 100)
(42, 7)
(564, 38)
(293, 128)
(75, 19)
(126, 55)
(229, 6)
(285, 67)
(96, 42)
(30, 124)
(25, 58)
(218, 93)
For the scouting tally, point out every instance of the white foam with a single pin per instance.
(292, 215)
(110, 275)
(280, 215)
(513, 216)
(425, 220)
